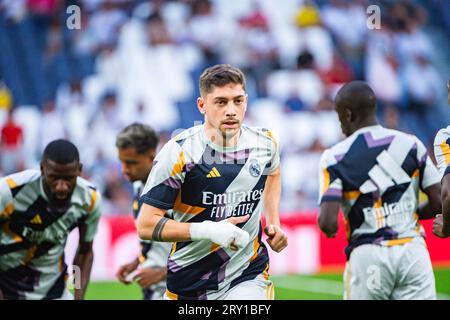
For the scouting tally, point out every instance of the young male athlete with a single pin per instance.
(216, 178)
(441, 225)
(38, 209)
(137, 145)
(375, 175)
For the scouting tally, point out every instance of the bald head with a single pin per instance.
(356, 106)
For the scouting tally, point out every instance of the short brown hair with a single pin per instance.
(139, 136)
(220, 75)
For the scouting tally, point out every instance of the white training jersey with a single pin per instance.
(376, 174)
(201, 181)
(33, 236)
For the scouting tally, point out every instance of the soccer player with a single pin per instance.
(441, 225)
(38, 209)
(216, 177)
(375, 175)
(136, 145)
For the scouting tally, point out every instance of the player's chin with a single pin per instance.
(230, 131)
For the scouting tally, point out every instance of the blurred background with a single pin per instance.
(140, 61)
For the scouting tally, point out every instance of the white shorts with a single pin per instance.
(256, 289)
(399, 272)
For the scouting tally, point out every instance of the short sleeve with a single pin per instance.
(93, 216)
(166, 177)
(6, 200)
(442, 151)
(274, 152)
(330, 185)
(429, 174)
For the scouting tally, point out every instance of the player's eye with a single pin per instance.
(238, 101)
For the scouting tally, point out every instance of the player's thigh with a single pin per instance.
(367, 274)
(256, 289)
(416, 280)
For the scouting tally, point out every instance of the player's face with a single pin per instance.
(224, 108)
(136, 166)
(59, 180)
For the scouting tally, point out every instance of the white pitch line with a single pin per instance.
(323, 286)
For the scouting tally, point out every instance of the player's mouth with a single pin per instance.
(230, 124)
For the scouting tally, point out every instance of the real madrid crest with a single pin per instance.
(255, 168)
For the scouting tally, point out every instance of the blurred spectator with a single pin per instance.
(11, 146)
(52, 125)
(140, 60)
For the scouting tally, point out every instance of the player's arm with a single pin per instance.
(445, 195)
(330, 195)
(153, 225)
(277, 239)
(84, 256)
(328, 218)
(432, 207)
(83, 260)
(6, 208)
(441, 225)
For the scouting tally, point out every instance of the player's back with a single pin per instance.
(376, 173)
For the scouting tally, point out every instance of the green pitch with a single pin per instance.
(290, 287)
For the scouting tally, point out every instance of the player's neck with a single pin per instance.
(221, 140)
(365, 123)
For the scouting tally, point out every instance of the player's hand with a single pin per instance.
(149, 276)
(125, 270)
(225, 233)
(237, 220)
(438, 225)
(277, 239)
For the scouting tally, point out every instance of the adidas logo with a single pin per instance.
(213, 173)
(36, 220)
(386, 173)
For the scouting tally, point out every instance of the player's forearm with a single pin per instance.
(154, 226)
(272, 196)
(84, 261)
(433, 206)
(446, 205)
(328, 218)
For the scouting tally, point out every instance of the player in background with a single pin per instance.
(38, 209)
(375, 175)
(137, 145)
(216, 177)
(441, 225)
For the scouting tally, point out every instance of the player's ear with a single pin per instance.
(349, 115)
(80, 168)
(201, 105)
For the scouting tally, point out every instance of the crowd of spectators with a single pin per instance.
(140, 61)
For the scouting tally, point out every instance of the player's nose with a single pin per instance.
(231, 108)
(61, 186)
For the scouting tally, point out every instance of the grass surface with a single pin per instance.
(289, 287)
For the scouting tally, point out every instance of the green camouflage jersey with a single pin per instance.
(33, 236)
